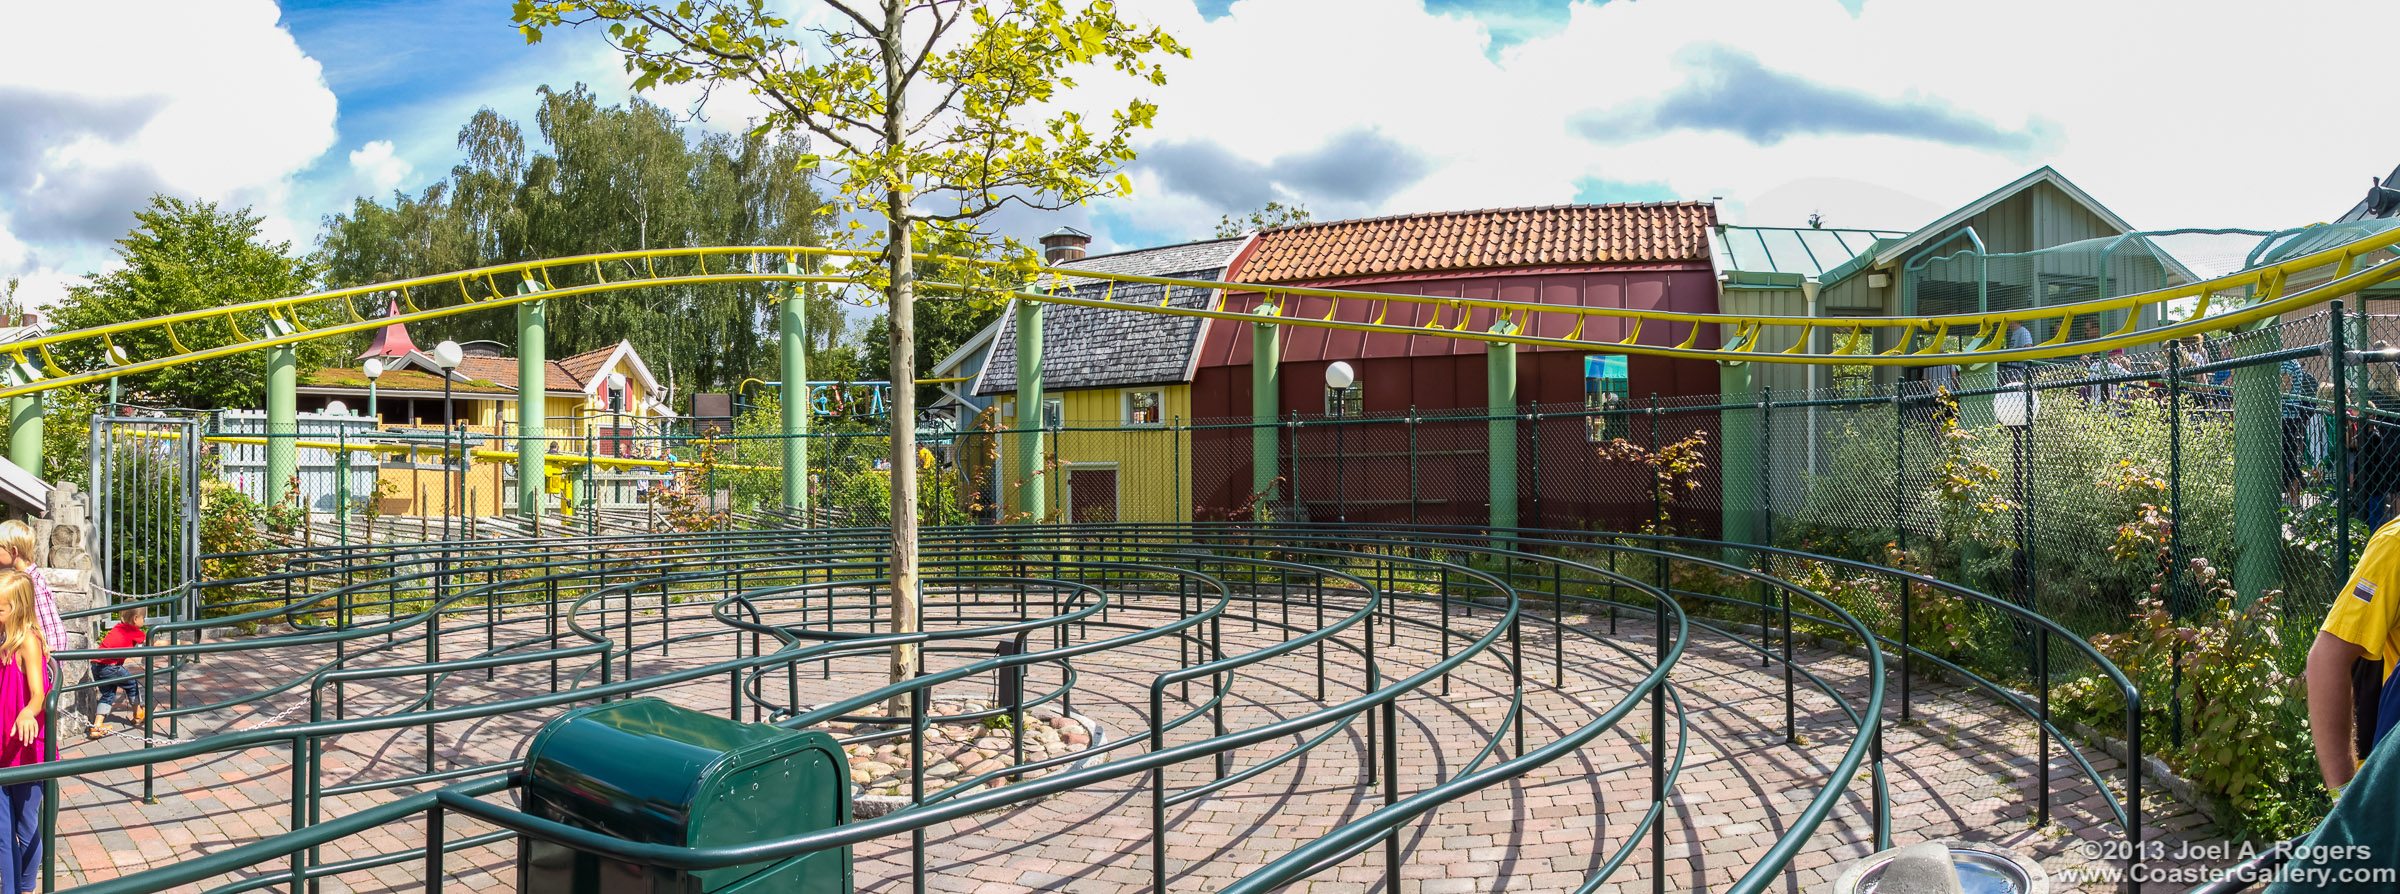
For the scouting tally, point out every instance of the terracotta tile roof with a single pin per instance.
(582, 367)
(570, 374)
(1652, 232)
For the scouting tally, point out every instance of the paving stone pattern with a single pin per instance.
(1964, 769)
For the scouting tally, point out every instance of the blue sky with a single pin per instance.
(1874, 113)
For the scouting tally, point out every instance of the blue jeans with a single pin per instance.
(114, 677)
(22, 872)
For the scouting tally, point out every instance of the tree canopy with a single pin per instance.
(935, 113)
(600, 179)
(1275, 214)
(184, 256)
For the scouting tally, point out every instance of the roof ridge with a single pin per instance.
(1414, 215)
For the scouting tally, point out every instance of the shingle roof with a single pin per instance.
(486, 373)
(1091, 347)
(400, 380)
(1510, 237)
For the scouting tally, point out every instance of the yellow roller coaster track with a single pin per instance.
(2225, 302)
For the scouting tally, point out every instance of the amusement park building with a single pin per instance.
(1651, 256)
(585, 412)
(1115, 385)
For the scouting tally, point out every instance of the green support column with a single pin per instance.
(1500, 400)
(283, 415)
(1030, 496)
(533, 412)
(1266, 390)
(792, 319)
(2258, 465)
(1738, 490)
(25, 423)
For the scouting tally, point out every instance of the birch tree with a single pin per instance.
(926, 116)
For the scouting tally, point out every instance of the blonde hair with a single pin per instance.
(19, 629)
(18, 537)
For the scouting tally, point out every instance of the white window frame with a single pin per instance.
(1125, 406)
(1054, 413)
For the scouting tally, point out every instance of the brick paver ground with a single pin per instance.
(1965, 768)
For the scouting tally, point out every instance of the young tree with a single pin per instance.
(188, 256)
(924, 105)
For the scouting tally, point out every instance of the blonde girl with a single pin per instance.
(24, 687)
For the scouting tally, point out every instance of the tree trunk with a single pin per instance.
(900, 255)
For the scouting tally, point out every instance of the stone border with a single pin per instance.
(869, 806)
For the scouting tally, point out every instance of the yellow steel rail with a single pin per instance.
(567, 459)
(2222, 302)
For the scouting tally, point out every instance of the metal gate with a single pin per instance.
(146, 502)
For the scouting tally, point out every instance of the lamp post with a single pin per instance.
(616, 416)
(448, 355)
(1338, 377)
(375, 371)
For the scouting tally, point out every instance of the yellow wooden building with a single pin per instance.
(601, 403)
(1116, 388)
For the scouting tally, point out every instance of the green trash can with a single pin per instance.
(648, 771)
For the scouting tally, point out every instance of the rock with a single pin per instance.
(1078, 739)
(1921, 869)
(861, 776)
(992, 743)
(874, 769)
(945, 768)
(1063, 723)
(987, 766)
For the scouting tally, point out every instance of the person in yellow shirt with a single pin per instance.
(2352, 704)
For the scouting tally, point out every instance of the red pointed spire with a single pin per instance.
(391, 340)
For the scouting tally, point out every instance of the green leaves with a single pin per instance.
(188, 256)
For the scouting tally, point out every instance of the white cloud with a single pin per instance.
(198, 100)
(377, 169)
(1881, 119)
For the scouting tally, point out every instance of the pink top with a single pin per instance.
(14, 695)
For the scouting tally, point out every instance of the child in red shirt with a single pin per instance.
(112, 673)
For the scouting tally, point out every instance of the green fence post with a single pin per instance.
(1740, 480)
(533, 326)
(2258, 462)
(1030, 499)
(792, 318)
(283, 415)
(25, 422)
(1500, 430)
(1266, 382)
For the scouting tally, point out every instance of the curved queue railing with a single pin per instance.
(804, 600)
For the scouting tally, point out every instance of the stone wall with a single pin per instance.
(63, 537)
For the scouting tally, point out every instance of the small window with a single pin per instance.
(1604, 390)
(1145, 407)
(1351, 401)
(1054, 413)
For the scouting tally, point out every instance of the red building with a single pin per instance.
(1651, 256)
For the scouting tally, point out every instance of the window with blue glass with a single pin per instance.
(1604, 389)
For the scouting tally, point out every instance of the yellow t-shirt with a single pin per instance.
(2368, 610)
